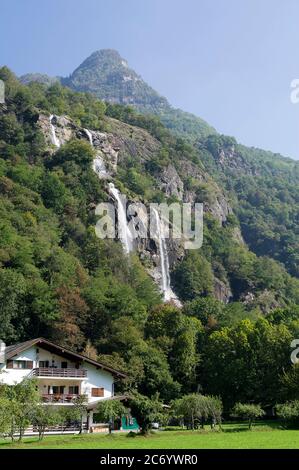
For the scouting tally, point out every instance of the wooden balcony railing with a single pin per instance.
(58, 372)
(59, 397)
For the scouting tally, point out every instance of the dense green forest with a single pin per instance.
(58, 280)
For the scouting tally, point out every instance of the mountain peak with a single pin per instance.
(107, 53)
(107, 75)
(106, 56)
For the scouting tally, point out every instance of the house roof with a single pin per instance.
(13, 350)
(92, 405)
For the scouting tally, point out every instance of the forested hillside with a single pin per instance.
(58, 280)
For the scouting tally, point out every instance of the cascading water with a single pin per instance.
(55, 140)
(123, 229)
(168, 293)
(98, 163)
(89, 135)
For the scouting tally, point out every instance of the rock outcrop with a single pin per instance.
(120, 142)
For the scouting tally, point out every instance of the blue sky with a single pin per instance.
(230, 62)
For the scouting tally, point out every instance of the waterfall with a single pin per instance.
(98, 164)
(89, 135)
(55, 140)
(168, 293)
(123, 229)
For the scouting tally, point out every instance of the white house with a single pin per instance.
(61, 374)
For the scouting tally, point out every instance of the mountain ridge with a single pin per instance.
(274, 178)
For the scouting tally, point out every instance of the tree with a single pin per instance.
(157, 376)
(12, 292)
(80, 409)
(288, 411)
(77, 151)
(195, 409)
(43, 417)
(73, 313)
(193, 277)
(110, 410)
(244, 362)
(203, 308)
(69, 416)
(215, 408)
(190, 409)
(23, 399)
(54, 192)
(177, 336)
(290, 382)
(145, 410)
(247, 411)
(5, 416)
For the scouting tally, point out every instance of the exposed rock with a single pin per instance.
(228, 157)
(108, 145)
(218, 206)
(219, 209)
(133, 142)
(170, 183)
(222, 291)
(65, 129)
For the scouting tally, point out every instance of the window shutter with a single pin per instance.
(9, 364)
(97, 392)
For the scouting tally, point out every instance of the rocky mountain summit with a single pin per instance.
(108, 76)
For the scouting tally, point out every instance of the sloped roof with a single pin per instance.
(13, 350)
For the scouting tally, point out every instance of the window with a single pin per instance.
(43, 363)
(58, 389)
(97, 392)
(11, 364)
(74, 390)
(64, 365)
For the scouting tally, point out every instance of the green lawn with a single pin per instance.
(232, 437)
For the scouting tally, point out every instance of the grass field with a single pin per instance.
(233, 436)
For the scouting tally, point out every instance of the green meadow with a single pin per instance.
(232, 436)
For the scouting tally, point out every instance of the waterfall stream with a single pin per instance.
(168, 293)
(123, 229)
(55, 140)
(98, 165)
(89, 135)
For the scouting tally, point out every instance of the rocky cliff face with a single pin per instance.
(112, 149)
(230, 158)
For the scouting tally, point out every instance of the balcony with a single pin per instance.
(59, 398)
(59, 372)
